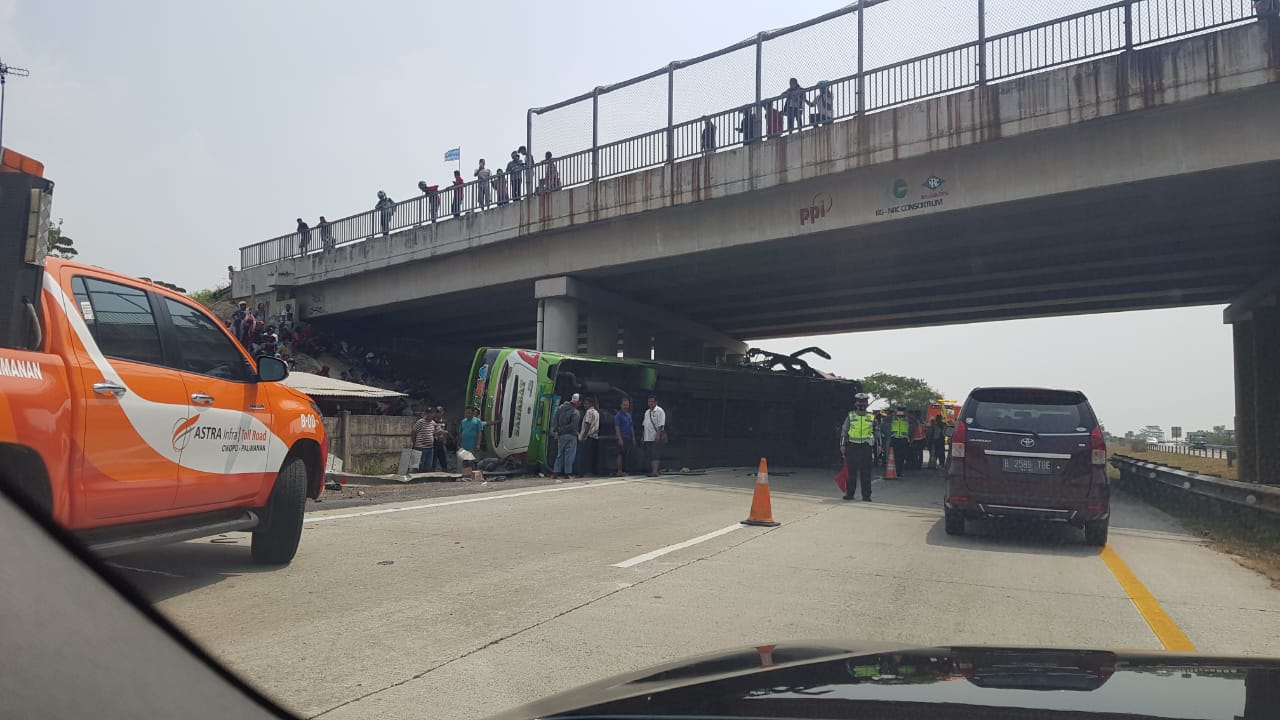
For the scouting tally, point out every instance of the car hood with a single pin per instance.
(861, 680)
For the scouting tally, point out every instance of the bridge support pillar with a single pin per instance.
(602, 334)
(676, 337)
(1255, 320)
(637, 341)
(1242, 336)
(558, 325)
(1266, 395)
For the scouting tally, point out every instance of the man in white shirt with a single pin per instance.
(588, 439)
(655, 422)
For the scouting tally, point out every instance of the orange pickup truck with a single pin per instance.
(130, 414)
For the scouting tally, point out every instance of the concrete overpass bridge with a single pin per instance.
(1143, 177)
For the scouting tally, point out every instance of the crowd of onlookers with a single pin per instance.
(491, 188)
(767, 120)
(282, 336)
(506, 185)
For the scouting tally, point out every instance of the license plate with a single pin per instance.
(1030, 466)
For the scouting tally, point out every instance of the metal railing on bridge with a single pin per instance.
(740, 113)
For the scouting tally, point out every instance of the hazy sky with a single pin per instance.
(178, 131)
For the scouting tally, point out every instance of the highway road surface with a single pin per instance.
(464, 606)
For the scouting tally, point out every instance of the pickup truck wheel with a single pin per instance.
(278, 542)
(1095, 533)
(954, 520)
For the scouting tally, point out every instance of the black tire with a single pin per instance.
(1095, 533)
(954, 522)
(277, 543)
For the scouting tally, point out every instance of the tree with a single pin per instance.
(169, 286)
(59, 245)
(915, 393)
(206, 297)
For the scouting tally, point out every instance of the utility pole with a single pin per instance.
(5, 72)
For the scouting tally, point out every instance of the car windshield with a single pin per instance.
(1030, 412)
(436, 358)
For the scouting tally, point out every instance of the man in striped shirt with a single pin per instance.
(422, 437)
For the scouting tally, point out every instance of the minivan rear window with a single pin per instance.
(1029, 411)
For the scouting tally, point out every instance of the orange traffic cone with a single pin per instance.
(891, 470)
(761, 512)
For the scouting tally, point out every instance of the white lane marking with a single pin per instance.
(482, 498)
(143, 570)
(678, 546)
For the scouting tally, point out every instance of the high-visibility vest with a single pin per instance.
(861, 427)
(899, 428)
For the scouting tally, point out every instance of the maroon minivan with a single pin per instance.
(1029, 453)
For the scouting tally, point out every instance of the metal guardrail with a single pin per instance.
(1116, 27)
(1221, 452)
(1164, 482)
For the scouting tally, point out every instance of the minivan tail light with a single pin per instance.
(1099, 445)
(957, 442)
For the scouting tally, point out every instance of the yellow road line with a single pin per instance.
(1166, 630)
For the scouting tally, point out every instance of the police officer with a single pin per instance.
(899, 430)
(857, 437)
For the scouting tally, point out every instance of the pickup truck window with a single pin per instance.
(120, 319)
(204, 347)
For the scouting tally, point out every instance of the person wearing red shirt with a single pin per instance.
(458, 182)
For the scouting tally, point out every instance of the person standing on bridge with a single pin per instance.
(749, 125)
(458, 182)
(566, 423)
(824, 105)
(793, 105)
(385, 207)
(515, 171)
(326, 235)
(551, 175)
(304, 237)
(857, 441)
(772, 119)
(1265, 9)
(433, 198)
(708, 135)
(482, 186)
(499, 183)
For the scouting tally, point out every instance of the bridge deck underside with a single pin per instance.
(1181, 241)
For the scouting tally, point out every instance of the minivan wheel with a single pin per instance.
(954, 522)
(278, 542)
(1095, 533)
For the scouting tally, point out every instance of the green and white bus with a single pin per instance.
(716, 416)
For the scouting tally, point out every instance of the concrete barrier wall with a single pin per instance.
(376, 441)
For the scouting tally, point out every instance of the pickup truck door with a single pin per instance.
(132, 406)
(225, 459)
